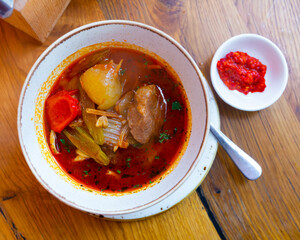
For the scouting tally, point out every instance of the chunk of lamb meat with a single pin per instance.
(147, 113)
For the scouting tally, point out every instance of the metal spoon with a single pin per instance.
(247, 165)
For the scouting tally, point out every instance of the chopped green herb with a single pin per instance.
(136, 186)
(168, 100)
(97, 182)
(137, 88)
(65, 144)
(127, 162)
(146, 76)
(164, 136)
(122, 71)
(176, 106)
(146, 63)
(150, 181)
(137, 145)
(165, 120)
(175, 130)
(86, 172)
(156, 157)
(118, 171)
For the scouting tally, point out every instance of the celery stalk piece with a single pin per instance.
(89, 61)
(90, 119)
(85, 143)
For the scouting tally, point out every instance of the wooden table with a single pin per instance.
(226, 205)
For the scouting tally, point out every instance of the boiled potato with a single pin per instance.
(101, 83)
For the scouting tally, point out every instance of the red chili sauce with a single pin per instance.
(241, 72)
(138, 165)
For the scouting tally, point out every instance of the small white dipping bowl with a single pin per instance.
(268, 54)
(38, 85)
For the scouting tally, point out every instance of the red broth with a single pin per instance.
(138, 165)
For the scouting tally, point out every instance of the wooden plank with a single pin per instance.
(7, 229)
(36, 215)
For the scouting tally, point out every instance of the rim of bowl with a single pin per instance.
(61, 40)
(274, 47)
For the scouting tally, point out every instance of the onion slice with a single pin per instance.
(53, 143)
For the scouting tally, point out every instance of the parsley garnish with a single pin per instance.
(146, 63)
(127, 162)
(118, 171)
(164, 136)
(175, 130)
(86, 172)
(156, 157)
(122, 71)
(176, 106)
(137, 145)
(65, 144)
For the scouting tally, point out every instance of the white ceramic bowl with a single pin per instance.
(37, 87)
(276, 76)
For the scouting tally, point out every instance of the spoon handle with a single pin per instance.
(247, 165)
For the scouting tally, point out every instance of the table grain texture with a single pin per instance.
(226, 205)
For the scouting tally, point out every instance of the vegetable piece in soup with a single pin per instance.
(102, 85)
(130, 124)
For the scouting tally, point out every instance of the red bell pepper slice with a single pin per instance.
(61, 109)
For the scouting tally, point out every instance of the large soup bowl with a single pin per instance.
(31, 121)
